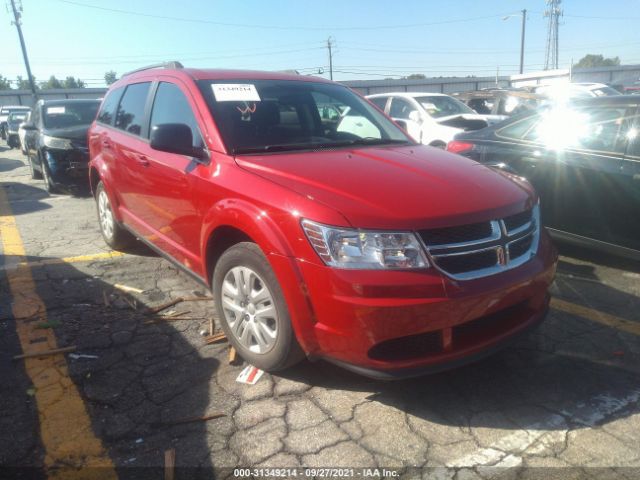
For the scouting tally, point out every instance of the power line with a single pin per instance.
(275, 27)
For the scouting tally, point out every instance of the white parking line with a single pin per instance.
(589, 414)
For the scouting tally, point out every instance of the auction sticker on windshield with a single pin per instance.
(235, 92)
(54, 110)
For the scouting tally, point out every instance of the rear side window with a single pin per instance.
(130, 114)
(171, 106)
(401, 108)
(519, 129)
(108, 110)
(379, 102)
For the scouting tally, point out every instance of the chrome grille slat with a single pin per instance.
(513, 239)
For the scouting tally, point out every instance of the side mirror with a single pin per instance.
(175, 138)
(27, 126)
(414, 116)
(401, 123)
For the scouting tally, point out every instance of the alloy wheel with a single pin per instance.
(105, 214)
(249, 309)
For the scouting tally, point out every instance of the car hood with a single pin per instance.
(408, 187)
(78, 134)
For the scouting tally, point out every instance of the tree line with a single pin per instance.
(52, 82)
(70, 82)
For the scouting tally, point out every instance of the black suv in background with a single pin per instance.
(583, 158)
(56, 143)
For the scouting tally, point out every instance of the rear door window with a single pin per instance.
(130, 114)
(601, 128)
(519, 130)
(108, 110)
(171, 106)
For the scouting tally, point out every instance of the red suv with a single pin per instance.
(321, 227)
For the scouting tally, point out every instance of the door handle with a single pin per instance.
(143, 160)
(636, 177)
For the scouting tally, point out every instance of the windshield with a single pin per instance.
(605, 91)
(268, 116)
(17, 117)
(65, 115)
(443, 106)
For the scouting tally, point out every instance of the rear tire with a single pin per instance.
(113, 233)
(252, 310)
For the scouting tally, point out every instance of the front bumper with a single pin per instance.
(391, 324)
(69, 168)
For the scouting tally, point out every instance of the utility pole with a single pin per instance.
(329, 45)
(524, 25)
(16, 22)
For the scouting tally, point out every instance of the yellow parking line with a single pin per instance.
(596, 316)
(55, 261)
(65, 427)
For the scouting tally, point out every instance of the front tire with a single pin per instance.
(113, 233)
(252, 310)
(35, 175)
(46, 175)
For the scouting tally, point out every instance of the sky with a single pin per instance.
(372, 39)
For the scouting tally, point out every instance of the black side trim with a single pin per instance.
(591, 243)
(166, 256)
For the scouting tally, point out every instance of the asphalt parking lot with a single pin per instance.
(562, 402)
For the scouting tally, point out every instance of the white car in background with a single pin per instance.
(431, 118)
(566, 91)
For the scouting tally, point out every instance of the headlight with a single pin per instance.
(365, 250)
(55, 142)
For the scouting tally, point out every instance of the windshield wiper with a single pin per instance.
(378, 141)
(315, 146)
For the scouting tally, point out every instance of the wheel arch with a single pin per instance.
(233, 221)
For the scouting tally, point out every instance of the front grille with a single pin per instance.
(465, 263)
(520, 247)
(407, 348)
(488, 326)
(463, 336)
(460, 234)
(476, 250)
(517, 221)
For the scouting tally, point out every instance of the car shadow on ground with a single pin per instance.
(25, 198)
(567, 373)
(6, 164)
(143, 382)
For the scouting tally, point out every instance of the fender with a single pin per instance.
(265, 231)
(250, 219)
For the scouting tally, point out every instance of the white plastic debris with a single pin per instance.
(250, 375)
(77, 356)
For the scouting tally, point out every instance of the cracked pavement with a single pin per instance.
(560, 403)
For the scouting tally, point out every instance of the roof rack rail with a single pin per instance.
(174, 64)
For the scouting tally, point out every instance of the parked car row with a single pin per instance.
(325, 224)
